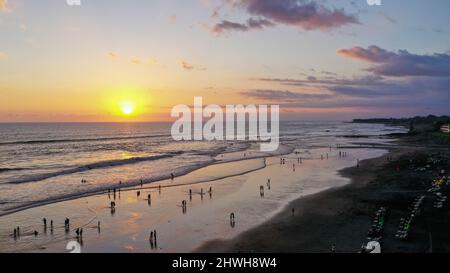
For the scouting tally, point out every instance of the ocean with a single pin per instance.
(47, 162)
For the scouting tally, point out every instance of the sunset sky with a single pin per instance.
(133, 60)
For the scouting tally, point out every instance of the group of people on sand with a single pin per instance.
(114, 190)
(184, 202)
(16, 232)
(153, 240)
(79, 232)
(45, 225)
(153, 236)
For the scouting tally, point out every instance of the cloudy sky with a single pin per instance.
(319, 60)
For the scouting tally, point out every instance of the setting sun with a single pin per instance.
(127, 108)
(126, 103)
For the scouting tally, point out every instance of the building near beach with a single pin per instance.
(445, 128)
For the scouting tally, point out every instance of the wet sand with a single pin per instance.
(236, 189)
(343, 216)
(320, 220)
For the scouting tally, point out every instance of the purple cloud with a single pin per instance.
(401, 63)
(426, 94)
(282, 95)
(358, 87)
(251, 24)
(308, 15)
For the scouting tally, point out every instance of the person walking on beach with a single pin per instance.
(45, 224)
(232, 220)
(172, 176)
(152, 239)
(98, 227)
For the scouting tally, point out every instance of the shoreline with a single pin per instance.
(341, 217)
(206, 219)
(309, 213)
(133, 185)
(339, 214)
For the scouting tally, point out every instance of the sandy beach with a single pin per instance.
(235, 189)
(297, 199)
(341, 217)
